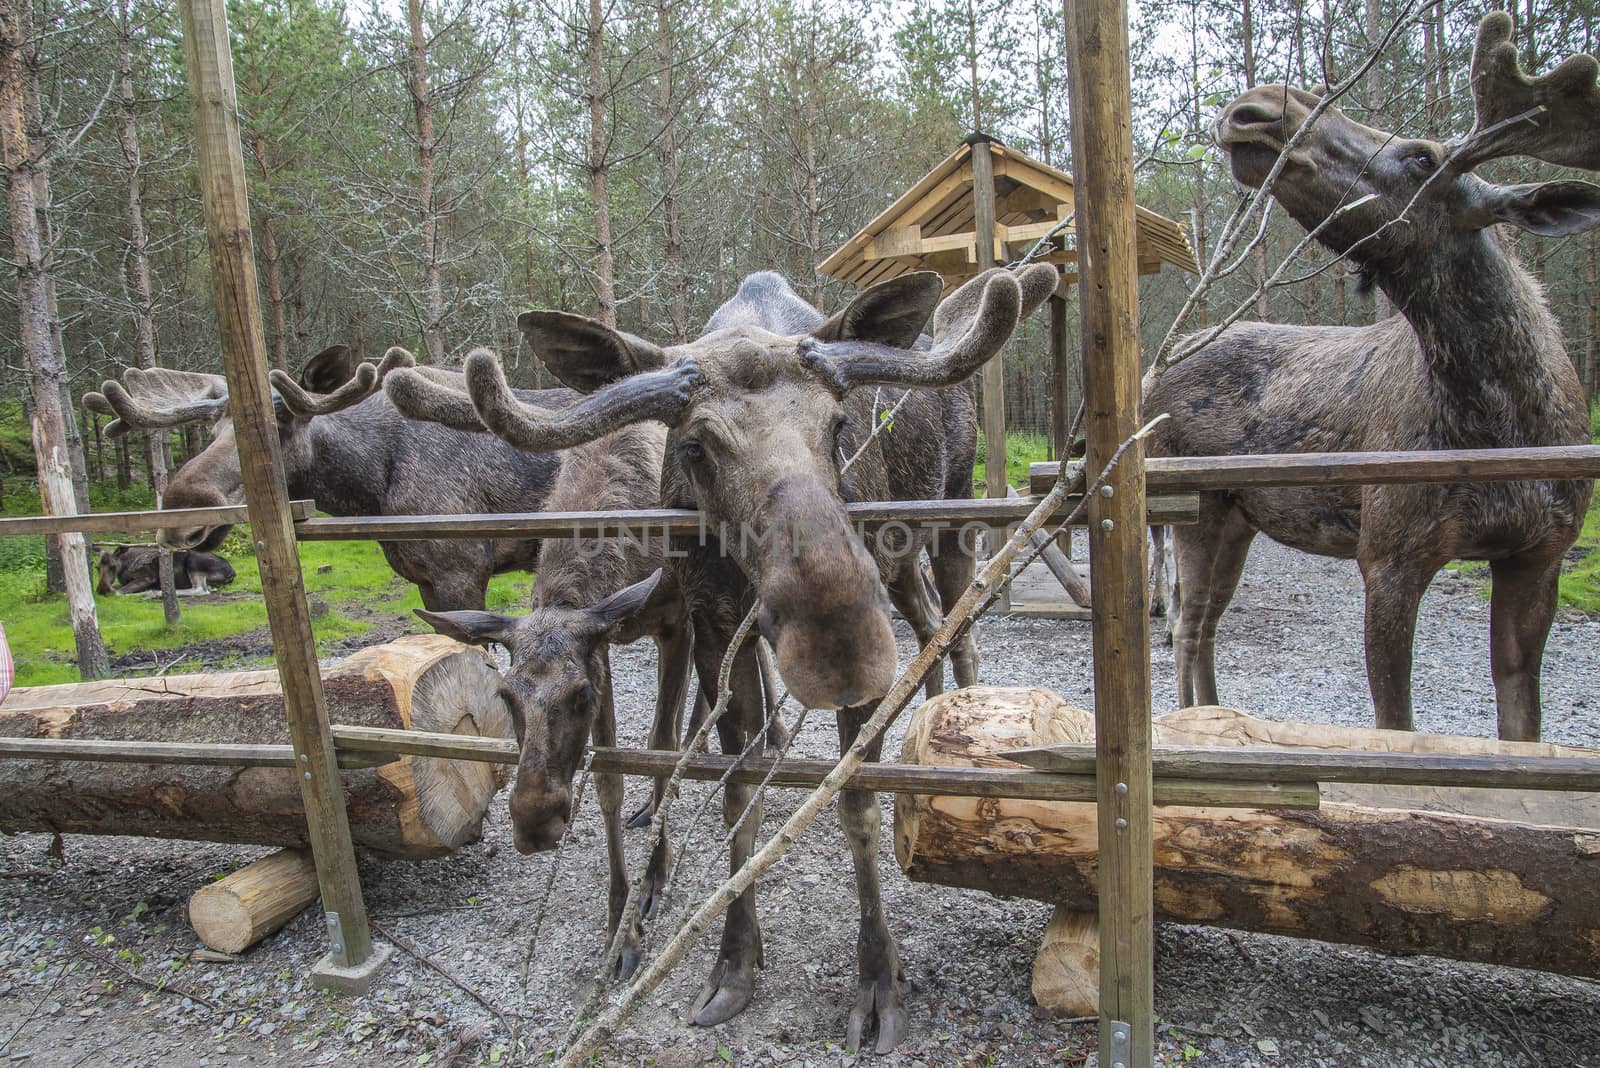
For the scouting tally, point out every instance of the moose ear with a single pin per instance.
(1549, 209)
(890, 313)
(584, 354)
(626, 603)
(328, 369)
(474, 628)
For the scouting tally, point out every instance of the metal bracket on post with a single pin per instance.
(336, 948)
(1121, 1044)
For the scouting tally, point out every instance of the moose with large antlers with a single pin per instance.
(763, 408)
(344, 445)
(1473, 359)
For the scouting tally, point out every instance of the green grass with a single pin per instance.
(1021, 450)
(348, 584)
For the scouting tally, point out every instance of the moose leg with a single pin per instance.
(879, 975)
(1394, 589)
(733, 979)
(1522, 605)
(608, 788)
(953, 569)
(914, 598)
(1210, 558)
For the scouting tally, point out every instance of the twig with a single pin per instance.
(550, 879)
(658, 823)
(60, 974)
(460, 984)
(900, 694)
(133, 976)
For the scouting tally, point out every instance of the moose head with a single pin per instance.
(756, 421)
(160, 399)
(1356, 182)
(556, 686)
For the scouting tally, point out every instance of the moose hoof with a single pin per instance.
(726, 994)
(877, 1000)
(641, 819)
(627, 963)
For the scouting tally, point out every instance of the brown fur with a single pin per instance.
(762, 416)
(1474, 359)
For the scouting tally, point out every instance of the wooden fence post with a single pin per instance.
(352, 960)
(1097, 47)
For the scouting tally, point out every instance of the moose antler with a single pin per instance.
(362, 384)
(159, 398)
(489, 403)
(1555, 118)
(659, 395)
(969, 327)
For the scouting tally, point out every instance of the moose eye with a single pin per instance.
(691, 452)
(1423, 161)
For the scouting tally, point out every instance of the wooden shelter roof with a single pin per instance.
(931, 226)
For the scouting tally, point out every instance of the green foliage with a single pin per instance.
(1021, 451)
(349, 585)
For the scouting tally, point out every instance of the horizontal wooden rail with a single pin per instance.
(139, 522)
(680, 523)
(1261, 764)
(954, 782)
(424, 743)
(1175, 474)
(222, 754)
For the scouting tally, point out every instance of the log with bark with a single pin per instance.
(1495, 875)
(413, 807)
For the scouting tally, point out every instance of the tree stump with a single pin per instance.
(415, 807)
(1500, 876)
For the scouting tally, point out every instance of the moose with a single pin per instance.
(129, 569)
(763, 408)
(1474, 358)
(344, 445)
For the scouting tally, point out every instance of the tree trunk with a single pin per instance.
(427, 199)
(414, 807)
(605, 285)
(17, 91)
(666, 107)
(1501, 876)
(144, 319)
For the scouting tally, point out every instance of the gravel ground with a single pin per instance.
(1290, 649)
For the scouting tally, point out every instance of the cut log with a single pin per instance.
(413, 807)
(1500, 876)
(1066, 971)
(239, 910)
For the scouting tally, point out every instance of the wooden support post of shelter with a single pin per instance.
(987, 203)
(352, 959)
(1102, 145)
(994, 372)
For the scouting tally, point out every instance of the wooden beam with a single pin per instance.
(1062, 408)
(993, 375)
(899, 241)
(141, 522)
(946, 781)
(677, 523)
(244, 356)
(1102, 146)
(219, 754)
(1282, 764)
(1177, 474)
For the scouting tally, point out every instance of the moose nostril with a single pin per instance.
(1254, 114)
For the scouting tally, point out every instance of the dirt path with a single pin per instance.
(1292, 650)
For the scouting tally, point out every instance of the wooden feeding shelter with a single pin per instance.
(979, 208)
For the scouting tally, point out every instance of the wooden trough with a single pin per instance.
(412, 807)
(1495, 875)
